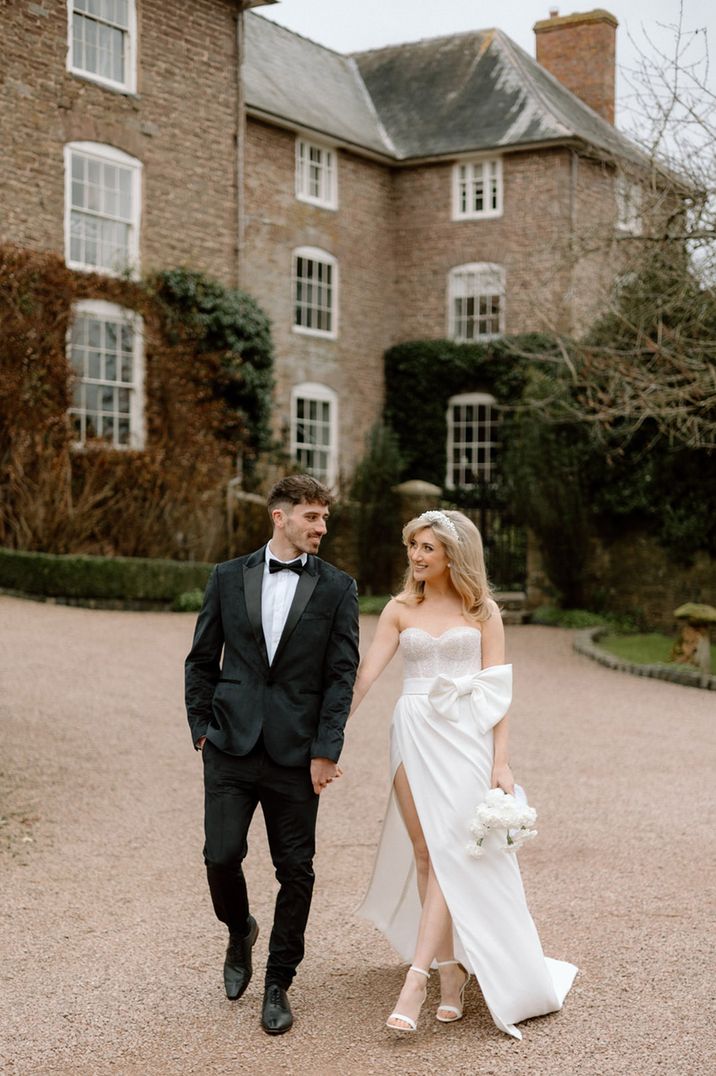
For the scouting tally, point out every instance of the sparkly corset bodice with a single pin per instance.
(454, 653)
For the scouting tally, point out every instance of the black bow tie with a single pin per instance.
(279, 566)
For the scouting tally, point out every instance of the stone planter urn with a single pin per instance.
(693, 645)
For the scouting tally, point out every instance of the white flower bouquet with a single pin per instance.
(507, 816)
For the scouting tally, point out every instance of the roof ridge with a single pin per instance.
(515, 54)
(382, 130)
(421, 41)
(610, 130)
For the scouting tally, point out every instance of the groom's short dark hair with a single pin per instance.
(298, 489)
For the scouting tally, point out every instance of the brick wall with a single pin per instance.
(359, 236)
(180, 125)
(530, 243)
(392, 235)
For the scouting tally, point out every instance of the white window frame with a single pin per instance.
(484, 165)
(99, 308)
(314, 391)
(328, 198)
(487, 270)
(105, 154)
(129, 84)
(628, 196)
(315, 254)
(476, 399)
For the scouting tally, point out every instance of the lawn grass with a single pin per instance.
(373, 604)
(648, 648)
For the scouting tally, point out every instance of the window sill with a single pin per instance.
(104, 83)
(493, 214)
(477, 339)
(332, 206)
(130, 273)
(319, 333)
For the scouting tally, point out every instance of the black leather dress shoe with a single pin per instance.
(238, 968)
(276, 1015)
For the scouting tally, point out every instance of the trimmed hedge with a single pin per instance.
(131, 579)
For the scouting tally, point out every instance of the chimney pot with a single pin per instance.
(580, 51)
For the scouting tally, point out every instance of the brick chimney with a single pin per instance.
(580, 51)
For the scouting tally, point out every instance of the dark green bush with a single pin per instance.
(188, 602)
(378, 511)
(102, 578)
(421, 376)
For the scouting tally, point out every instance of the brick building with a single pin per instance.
(445, 188)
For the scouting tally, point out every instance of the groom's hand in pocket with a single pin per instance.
(323, 771)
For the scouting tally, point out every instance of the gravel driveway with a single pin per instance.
(110, 957)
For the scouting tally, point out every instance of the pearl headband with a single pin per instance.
(440, 517)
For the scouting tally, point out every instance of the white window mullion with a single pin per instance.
(102, 208)
(102, 42)
(314, 430)
(477, 189)
(315, 292)
(476, 302)
(471, 440)
(106, 350)
(316, 174)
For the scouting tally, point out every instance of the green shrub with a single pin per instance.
(103, 578)
(372, 604)
(188, 602)
(378, 516)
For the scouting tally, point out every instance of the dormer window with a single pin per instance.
(316, 180)
(477, 189)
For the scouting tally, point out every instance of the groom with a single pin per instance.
(269, 719)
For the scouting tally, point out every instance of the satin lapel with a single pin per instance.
(253, 580)
(304, 590)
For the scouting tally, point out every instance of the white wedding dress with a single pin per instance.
(442, 733)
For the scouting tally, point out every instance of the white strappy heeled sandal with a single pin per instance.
(412, 1023)
(458, 1012)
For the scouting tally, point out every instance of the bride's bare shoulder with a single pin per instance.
(493, 621)
(391, 614)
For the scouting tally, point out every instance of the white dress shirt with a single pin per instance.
(277, 591)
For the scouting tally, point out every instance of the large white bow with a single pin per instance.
(488, 692)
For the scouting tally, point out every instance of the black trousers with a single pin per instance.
(233, 786)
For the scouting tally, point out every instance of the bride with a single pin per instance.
(448, 746)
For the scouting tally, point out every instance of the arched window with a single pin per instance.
(105, 350)
(315, 292)
(314, 430)
(476, 301)
(102, 208)
(471, 439)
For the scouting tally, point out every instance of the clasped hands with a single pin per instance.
(323, 771)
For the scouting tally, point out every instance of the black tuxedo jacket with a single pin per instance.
(302, 699)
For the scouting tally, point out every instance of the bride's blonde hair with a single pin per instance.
(463, 546)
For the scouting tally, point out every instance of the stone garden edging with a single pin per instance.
(585, 643)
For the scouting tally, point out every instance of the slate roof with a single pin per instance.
(294, 79)
(438, 97)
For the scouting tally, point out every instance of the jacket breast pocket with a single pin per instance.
(228, 680)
